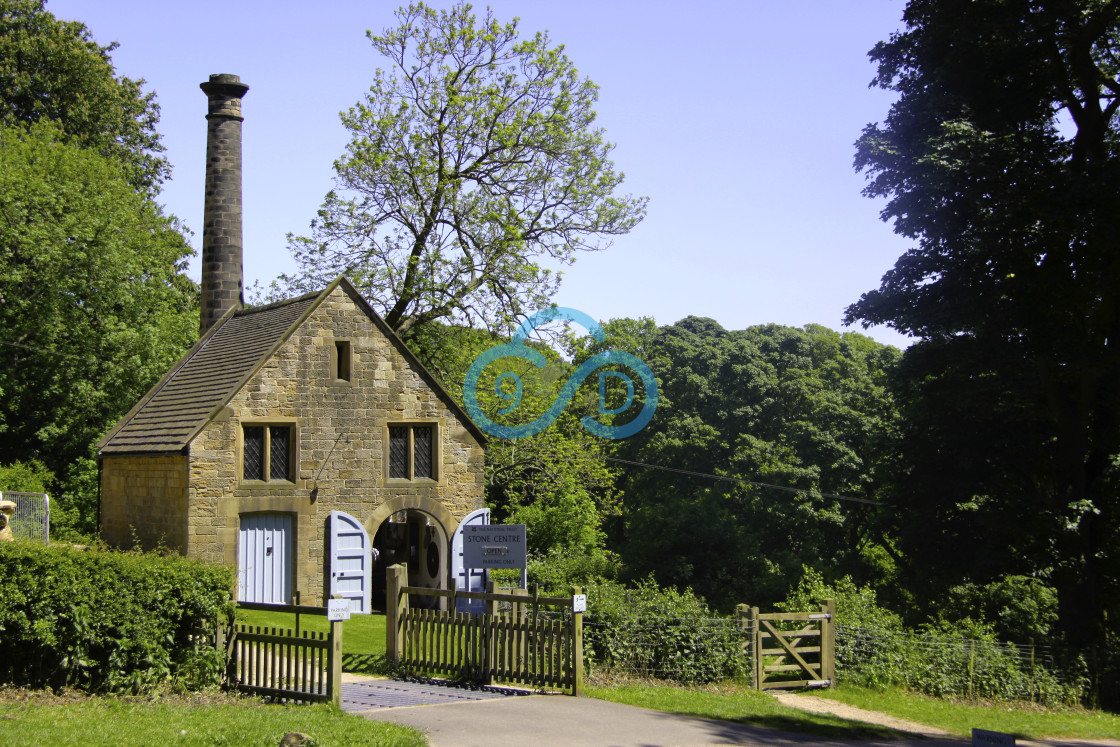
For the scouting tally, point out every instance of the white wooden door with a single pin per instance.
(264, 558)
(473, 579)
(351, 572)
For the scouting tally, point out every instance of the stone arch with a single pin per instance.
(419, 536)
(433, 508)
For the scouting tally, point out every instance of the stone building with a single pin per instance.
(292, 437)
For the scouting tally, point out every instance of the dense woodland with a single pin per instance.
(973, 476)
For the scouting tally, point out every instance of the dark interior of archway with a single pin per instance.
(408, 537)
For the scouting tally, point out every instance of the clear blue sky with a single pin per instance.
(737, 119)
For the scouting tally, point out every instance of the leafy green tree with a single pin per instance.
(474, 158)
(26, 477)
(804, 409)
(54, 70)
(1000, 160)
(94, 305)
(555, 482)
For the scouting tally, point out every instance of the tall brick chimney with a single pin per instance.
(221, 230)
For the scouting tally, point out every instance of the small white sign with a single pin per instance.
(338, 609)
(579, 603)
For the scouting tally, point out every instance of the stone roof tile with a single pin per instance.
(207, 377)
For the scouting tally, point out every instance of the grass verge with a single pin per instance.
(737, 703)
(1024, 720)
(187, 721)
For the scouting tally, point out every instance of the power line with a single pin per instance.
(726, 478)
(38, 350)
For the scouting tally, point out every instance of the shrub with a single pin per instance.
(866, 642)
(26, 477)
(108, 621)
(564, 568)
(1020, 608)
(653, 632)
(962, 659)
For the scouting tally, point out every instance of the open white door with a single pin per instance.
(475, 578)
(351, 571)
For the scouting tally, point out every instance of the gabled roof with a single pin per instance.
(221, 362)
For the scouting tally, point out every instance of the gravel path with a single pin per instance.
(843, 710)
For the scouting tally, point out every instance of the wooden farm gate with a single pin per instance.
(520, 645)
(283, 663)
(792, 649)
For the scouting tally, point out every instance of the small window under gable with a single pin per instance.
(342, 361)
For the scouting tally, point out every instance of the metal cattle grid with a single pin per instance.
(366, 696)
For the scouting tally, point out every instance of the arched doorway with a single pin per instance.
(411, 531)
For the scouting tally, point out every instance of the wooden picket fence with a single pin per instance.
(792, 649)
(520, 646)
(286, 664)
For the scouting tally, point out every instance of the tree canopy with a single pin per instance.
(473, 160)
(1000, 159)
(94, 307)
(807, 410)
(54, 70)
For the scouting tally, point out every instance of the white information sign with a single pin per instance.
(338, 609)
(579, 603)
(494, 546)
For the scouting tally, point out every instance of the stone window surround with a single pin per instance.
(437, 426)
(293, 426)
(344, 346)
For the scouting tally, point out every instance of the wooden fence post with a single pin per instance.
(577, 646)
(224, 633)
(828, 642)
(743, 612)
(396, 603)
(489, 645)
(756, 647)
(334, 664)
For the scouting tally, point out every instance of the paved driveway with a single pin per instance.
(451, 720)
(499, 717)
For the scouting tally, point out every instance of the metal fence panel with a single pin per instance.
(32, 520)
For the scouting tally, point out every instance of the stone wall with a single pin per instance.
(341, 430)
(144, 497)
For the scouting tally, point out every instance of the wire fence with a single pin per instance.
(945, 664)
(681, 650)
(32, 518)
(696, 650)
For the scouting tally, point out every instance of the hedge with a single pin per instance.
(111, 621)
(647, 631)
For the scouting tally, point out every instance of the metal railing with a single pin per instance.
(32, 519)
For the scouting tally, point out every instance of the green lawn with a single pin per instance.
(363, 636)
(1024, 720)
(41, 719)
(731, 702)
(38, 719)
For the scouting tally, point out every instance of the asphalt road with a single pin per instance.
(562, 721)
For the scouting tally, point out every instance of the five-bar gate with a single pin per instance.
(792, 649)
